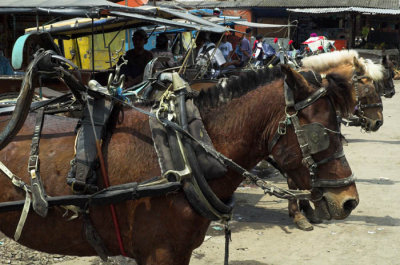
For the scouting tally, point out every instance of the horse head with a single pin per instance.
(386, 86)
(361, 75)
(309, 149)
(369, 104)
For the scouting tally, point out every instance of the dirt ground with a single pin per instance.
(262, 232)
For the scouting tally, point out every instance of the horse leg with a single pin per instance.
(309, 212)
(298, 218)
(165, 256)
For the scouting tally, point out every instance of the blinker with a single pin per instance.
(317, 137)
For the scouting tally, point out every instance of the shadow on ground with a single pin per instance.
(246, 262)
(381, 181)
(372, 220)
(371, 141)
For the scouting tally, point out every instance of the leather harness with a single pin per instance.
(304, 139)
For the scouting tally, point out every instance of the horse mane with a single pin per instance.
(375, 71)
(325, 61)
(340, 91)
(236, 86)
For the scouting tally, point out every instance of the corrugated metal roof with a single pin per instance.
(379, 11)
(261, 25)
(389, 4)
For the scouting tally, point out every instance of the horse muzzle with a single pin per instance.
(371, 125)
(389, 94)
(336, 204)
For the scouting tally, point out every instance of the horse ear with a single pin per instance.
(296, 82)
(357, 64)
(384, 60)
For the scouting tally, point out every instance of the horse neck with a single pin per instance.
(240, 128)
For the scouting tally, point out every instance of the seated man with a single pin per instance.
(137, 58)
(161, 50)
(206, 50)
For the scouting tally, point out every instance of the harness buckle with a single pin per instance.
(33, 163)
(309, 163)
(282, 127)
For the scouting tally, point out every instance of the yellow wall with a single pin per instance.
(83, 56)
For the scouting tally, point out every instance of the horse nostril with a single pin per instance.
(350, 205)
(378, 124)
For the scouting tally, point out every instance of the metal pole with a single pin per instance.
(37, 22)
(92, 45)
(127, 35)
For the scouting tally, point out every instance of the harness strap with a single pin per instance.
(16, 181)
(40, 205)
(311, 99)
(336, 155)
(228, 238)
(334, 183)
(273, 142)
(372, 105)
(93, 237)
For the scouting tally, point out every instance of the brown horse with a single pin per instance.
(346, 64)
(241, 117)
(363, 74)
(386, 86)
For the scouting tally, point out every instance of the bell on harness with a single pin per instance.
(82, 176)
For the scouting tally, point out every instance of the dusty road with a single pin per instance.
(262, 232)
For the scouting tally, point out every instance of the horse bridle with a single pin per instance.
(356, 78)
(312, 139)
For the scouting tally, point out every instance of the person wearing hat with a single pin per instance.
(137, 58)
